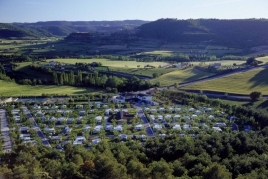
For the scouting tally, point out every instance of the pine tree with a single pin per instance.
(55, 78)
(61, 79)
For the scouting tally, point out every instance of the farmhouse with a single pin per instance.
(144, 97)
(216, 65)
(123, 97)
(52, 63)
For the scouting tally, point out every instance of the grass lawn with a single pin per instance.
(13, 89)
(241, 83)
(110, 63)
(143, 71)
(180, 76)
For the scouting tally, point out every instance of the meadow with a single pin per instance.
(263, 59)
(181, 76)
(143, 71)
(14, 89)
(111, 63)
(240, 83)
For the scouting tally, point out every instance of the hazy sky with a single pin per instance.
(87, 10)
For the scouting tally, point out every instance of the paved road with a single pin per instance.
(7, 144)
(36, 127)
(146, 124)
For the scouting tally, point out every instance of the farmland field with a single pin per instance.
(13, 89)
(143, 71)
(111, 63)
(241, 83)
(181, 76)
(263, 59)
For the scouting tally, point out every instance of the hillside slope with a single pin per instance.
(240, 83)
(243, 33)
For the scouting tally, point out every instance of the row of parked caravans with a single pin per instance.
(171, 109)
(218, 126)
(177, 116)
(79, 106)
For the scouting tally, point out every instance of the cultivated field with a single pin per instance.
(181, 76)
(241, 83)
(13, 89)
(111, 63)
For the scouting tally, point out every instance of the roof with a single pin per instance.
(128, 94)
(141, 94)
(217, 64)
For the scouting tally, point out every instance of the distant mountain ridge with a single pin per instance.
(236, 32)
(64, 28)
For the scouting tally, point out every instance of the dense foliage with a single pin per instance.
(210, 154)
(213, 155)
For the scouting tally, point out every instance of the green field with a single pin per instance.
(263, 59)
(240, 83)
(160, 52)
(13, 89)
(181, 76)
(143, 71)
(111, 63)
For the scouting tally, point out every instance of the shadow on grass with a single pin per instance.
(197, 75)
(263, 105)
(260, 78)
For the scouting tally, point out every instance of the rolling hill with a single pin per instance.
(64, 28)
(242, 33)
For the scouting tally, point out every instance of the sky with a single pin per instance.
(89, 10)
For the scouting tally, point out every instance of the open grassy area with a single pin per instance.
(241, 83)
(180, 76)
(13, 89)
(143, 71)
(160, 52)
(263, 59)
(110, 63)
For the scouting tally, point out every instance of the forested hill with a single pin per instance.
(10, 30)
(64, 28)
(246, 32)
